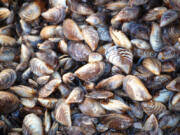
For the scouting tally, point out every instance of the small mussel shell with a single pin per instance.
(101, 94)
(162, 96)
(175, 4)
(120, 38)
(137, 110)
(47, 102)
(155, 37)
(32, 124)
(49, 88)
(175, 102)
(71, 30)
(43, 79)
(4, 13)
(154, 14)
(116, 5)
(117, 121)
(120, 57)
(115, 105)
(151, 123)
(78, 51)
(168, 67)
(91, 71)
(168, 17)
(95, 57)
(48, 32)
(39, 67)
(135, 88)
(139, 53)
(7, 40)
(28, 102)
(31, 11)
(91, 108)
(55, 14)
(8, 102)
(167, 53)
(111, 83)
(153, 107)
(141, 44)
(47, 121)
(76, 96)
(126, 14)
(174, 85)
(62, 113)
(23, 91)
(138, 2)
(7, 78)
(153, 65)
(96, 19)
(91, 37)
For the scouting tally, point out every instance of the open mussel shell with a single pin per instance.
(91, 71)
(32, 124)
(8, 102)
(153, 107)
(120, 57)
(62, 113)
(117, 121)
(111, 83)
(91, 107)
(7, 78)
(153, 65)
(78, 51)
(135, 88)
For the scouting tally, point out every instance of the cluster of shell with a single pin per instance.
(90, 67)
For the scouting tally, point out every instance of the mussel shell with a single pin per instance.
(101, 94)
(174, 85)
(8, 102)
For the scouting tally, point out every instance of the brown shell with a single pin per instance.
(7, 40)
(23, 91)
(141, 44)
(48, 102)
(120, 57)
(115, 105)
(91, 108)
(167, 53)
(91, 71)
(120, 38)
(152, 107)
(62, 113)
(117, 121)
(135, 88)
(154, 14)
(126, 14)
(176, 102)
(55, 14)
(76, 96)
(39, 67)
(168, 17)
(49, 88)
(91, 37)
(43, 79)
(95, 57)
(28, 102)
(48, 32)
(32, 124)
(78, 51)
(116, 5)
(153, 65)
(138, 2)
(96, 19)
(101, 94)
(71, 30)
(174, 85)
(8, 102)
(151, 123)
(31, 11)
(4, 13)
(111, 83)
(7, 78)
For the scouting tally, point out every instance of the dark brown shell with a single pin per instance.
(152, 107)
(175, 4)
(91, 37)
(117, 121)
(167, 53)
(111, 83)
(135, 88)
(71, 30)
(91, 71)
(138, 2)
(7, 78)
(91, 107)
(55, 14)
(101, 94)
(78, 51)
(49, 88)
(120, 57)
(62, 113)
(8, 102)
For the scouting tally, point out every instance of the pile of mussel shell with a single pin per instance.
(89, 67)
